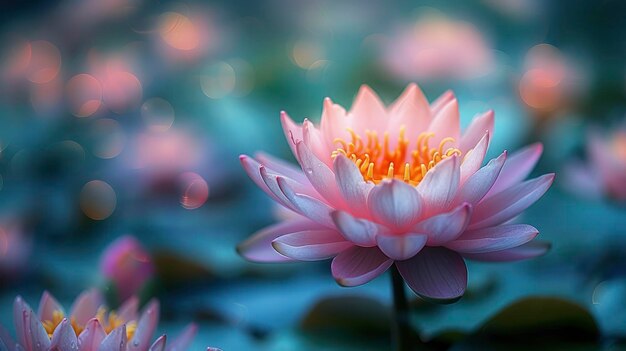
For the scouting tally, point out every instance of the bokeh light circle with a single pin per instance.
(158, 114)
(194, 190)
(218, 81)
(84, 94)
(97, 200)
(45, 62)
(122, 91)
(178, 31)
(108, 138)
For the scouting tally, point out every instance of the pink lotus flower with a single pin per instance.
(398, 185)
(88, 327)
(605, 173)
(128, 265)
(436, 48)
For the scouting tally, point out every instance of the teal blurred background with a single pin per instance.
(126, 117)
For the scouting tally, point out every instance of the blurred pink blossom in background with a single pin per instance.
(128, 266)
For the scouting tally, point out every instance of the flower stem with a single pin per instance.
(401, 330)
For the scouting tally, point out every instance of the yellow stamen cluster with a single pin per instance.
(109, 322)
(378, 161)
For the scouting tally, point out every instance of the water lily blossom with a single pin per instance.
(127, 265)
(89, 326)
(399, 185)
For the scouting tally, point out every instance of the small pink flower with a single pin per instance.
(128, 265)
(397, 185)
(607, 166)
(15, 249)
(89, 326)
(436, 48)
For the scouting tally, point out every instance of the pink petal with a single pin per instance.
(352, 186)
(478, 184)
(445, 227)
(410, 110)
(435, 273)
(395, 203)
(529, 250)
(39, 340)
(183, 340)
(441, 101)
(492, 239)
(145, 327)
(128, 310)
(271, 181)
(159, 344)
(361, 232)
(401, 246)
(64, 338)
(315, 142)
(47, 306)
(320, 175)
(445, 123)
(258, 248)
(440, 184)
(115, 341)
(279, 166)
(253, 169)
(473, 159)
(475, 131)
(91, 337)
(334, 123)
(86, 306)
(368, 111)
(510, 202)
(20, 308)
(311, 245)
(306, 205)
(517, 167)
(359, 265)
(293, 132)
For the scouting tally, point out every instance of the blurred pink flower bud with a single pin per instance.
(128, 265)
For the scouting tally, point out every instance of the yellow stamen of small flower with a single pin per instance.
(109, 322)
(376, 160)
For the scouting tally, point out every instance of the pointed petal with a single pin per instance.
(183, 341)
(320, 175)
(334, 123)
(86, 306)
(441, 101)
(439, 186)
(64, 337)
(20, 308)
(445, 123)
(145, 327)
(479, 183)
(473, 158)
(509, 203)
(529, 250)
(517, 167)
(477, 128)
(306, 205)
(401, 247)
(359, 265)
(435, 273)
(115, 341)
(47, 306)
(258, 248)
(293, 131)
(292, 171)
(359, 231)
(271, 181)
(159, 344)
(445, 227)
(352, 186)
(315, 142)
(410, 110)
(92, 336)
(368, 111)
(492, 239)
(128, 310)
(253, 169)
(39, 340)
(395, 203)
(311, 245)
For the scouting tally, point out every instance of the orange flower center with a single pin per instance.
(378, 161)
(109, 322)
